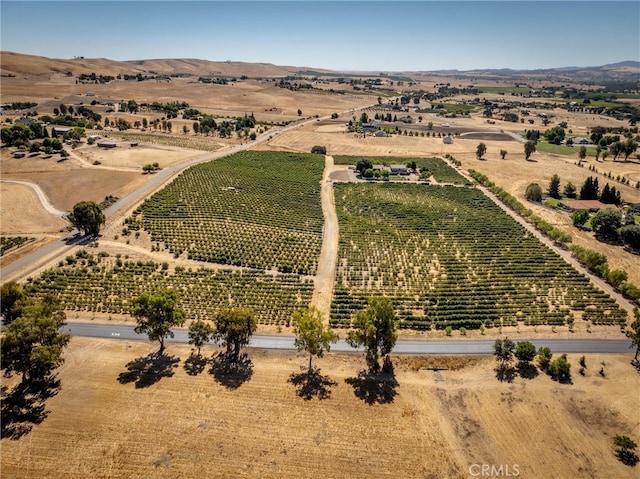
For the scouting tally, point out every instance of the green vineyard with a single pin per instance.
(106, 285)
(254, 209)
(448, 256)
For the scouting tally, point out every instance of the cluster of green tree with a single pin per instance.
(140, 77)
(533, 135)
(597, 264)
(87, 217)
(93, 78)
(22, 105)
(49, 146)
(590, 190)
(626, 450)
(510, 116)
(207, 124)
(151, 168)
(191, 114)
(131, 106)
(555, 135)
(607, 223)
(88, 113)
(630, 113)
(296, 85)
(615, 144)
(414, 98)
(68, 120)
(9, 242)
(388, 117)
(543, 226)
(20, 134)
(170, 109)
(216, 80)
(374, 328)
(356, 81)
(31, 343)
(120, 123)
(525, 352)
(446, 90)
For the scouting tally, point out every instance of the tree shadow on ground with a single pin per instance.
(505, 373)
(195, 364)
(231, 374)
(613, 241)
(627, 457)
(527, 370)
(375, 386)
(636, 364)
(310, 384)
(147, 370)
(24, 406)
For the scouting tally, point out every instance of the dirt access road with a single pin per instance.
(42, 197)
(325, 276)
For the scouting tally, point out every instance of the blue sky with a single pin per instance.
(340, 35)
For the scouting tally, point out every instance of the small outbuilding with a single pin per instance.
(61, 130)
(19, 154)
(399, 170)
(107, 144)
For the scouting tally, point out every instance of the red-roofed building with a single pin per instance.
(577, 205)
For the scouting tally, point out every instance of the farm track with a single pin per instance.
(325, 275)
(44, 200)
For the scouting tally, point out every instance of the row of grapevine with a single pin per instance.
(448, 256)
(254, 209)
(10, 242)
(108, 285)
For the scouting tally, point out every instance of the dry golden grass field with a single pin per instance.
(193, 426)
(109, 422)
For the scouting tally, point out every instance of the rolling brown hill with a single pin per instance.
(20, 64)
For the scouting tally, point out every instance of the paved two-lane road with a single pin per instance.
(420, 347)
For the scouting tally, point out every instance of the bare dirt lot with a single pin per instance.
(136, 157)
(23, 213)
(107, 421)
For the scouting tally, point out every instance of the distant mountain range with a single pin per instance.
(19, 64)
(621, 71)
